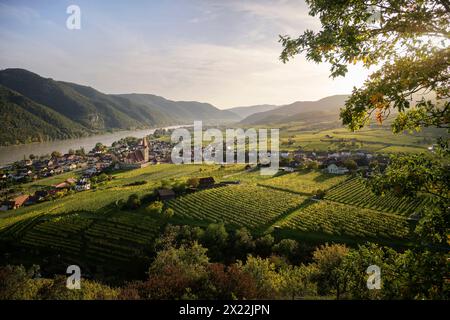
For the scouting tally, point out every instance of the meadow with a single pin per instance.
(90, 227)
(372, 139)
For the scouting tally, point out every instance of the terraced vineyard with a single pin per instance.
(344, 220)
(304, 182)
(355, 192)
(240, 205)
(118, 236)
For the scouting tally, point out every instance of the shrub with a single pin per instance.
(169, 213)
(133, 201)
(155, 208)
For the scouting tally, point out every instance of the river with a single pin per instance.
(9, 154)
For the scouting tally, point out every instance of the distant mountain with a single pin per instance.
(73, 110)
(326, 109)
(183, 111)
(244, 112)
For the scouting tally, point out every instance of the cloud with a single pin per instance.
(289, 15)
(230, 59)
(19, 13)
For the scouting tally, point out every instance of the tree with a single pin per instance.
(243, 242)
(99, 147)
(287, 248)
(133, 201)
(155, 208)
(175, 272)
(409, 39)
(327, 261)
(312, 165)
(80, 152)
(409, 43)
(16, 282)
(264, 245)
(193, 182)
(179, 187)
(56, 154)
(215, 239)
(263, 271)
(231, 282)
(296, 282)
(350, 164)
(169, 213)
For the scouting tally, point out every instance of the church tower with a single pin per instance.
(145, 149)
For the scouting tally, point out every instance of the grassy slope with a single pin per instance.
(97, 202)
(375, 139)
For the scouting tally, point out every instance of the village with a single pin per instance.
(130, 153)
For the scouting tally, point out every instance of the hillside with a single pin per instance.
(182, 111)
(73, 110)
(326, 109)
(244, 112)
(24, 121)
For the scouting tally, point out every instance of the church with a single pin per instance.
(138, 158)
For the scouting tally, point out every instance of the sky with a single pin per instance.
(224, 52)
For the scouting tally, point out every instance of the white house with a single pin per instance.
(82, 185)
(334, 169)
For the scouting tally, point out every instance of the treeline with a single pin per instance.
(212, 263)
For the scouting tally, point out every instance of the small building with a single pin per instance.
(334, 169)
(82, 185)
(71, 181)
(62, 185)
(165, 194)
(18, 201)
(206, 182)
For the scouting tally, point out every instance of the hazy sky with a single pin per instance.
(223, 52)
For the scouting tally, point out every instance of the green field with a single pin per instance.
(355, 192)
(304, 182)
(376, 138)
(89, 227)
(110, 237)
(242, 205)
(336, 219)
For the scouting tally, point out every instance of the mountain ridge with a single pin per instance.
(327, 108)
(75, 110)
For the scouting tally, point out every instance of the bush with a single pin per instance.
(193, 182)
(319, 194)
(133, 201)
(169, 213)
(136, 183)
(155, 208)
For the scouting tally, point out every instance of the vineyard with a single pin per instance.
(304, 182)
(344, 220)
(115, 237)
(356, 193)
(242, 205)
